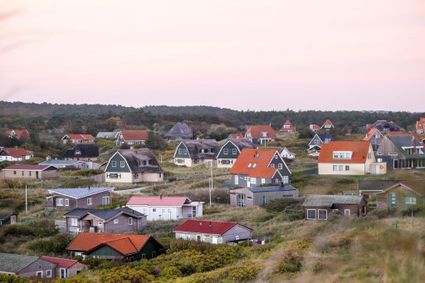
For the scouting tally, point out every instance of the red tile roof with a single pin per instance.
(257, 131)
(236, 136)
(80, 136)
(61, 262)
(22, 134)
(122, 243)
(328, 122)
(206, 227)
(17, 152)
(157, 200)
(287, 123)
(134, 135)
(359, 149)
(254, 163)
(27, 167)
(371, 133)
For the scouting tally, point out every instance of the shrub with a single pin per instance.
(54, 245)
(12, 279)
(291, 263)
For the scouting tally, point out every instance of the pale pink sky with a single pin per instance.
(242, 54)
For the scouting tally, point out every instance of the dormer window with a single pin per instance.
(78, 152)
(342, 154)
(264, 134)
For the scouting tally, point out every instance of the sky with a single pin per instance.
(239, 54)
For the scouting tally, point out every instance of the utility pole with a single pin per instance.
(211, 182)
(26, 199)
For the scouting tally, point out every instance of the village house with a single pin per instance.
(287, 154)
(133, 166)
(65, 267)
(15, 154)
(320, 207)
(77, 138)
(7, 218)
(260, 134)
(246, 197)
(180, 131)
(84, 152)
(349, 158)
(115, 246)
(118, 220)
(384, 126)
(192, 152)
(260, 166)
(328, 125)
(393, 194)
(230, 151)
(30, 171)
(166, 207)
(132, 137)
(213, 232)
(315, 144)
(420, 126)
(288, 127)
(375, 137)
(107, 135)
(19, 134)
(70, 198)
(314, 128)
(63, 163)
(402, 151)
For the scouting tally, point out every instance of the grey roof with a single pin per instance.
(83, 150)
(324, 136)
(242, 143)
(136, 157)
(404, 140)
(384, 125)
(330, 200)
(107, 135)
(53, 162)
(195, 148)
(79, 193)
(13, 263)
(104, 214)
(180, 130)
(376, 185)
(273, 189)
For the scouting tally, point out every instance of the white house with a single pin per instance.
(287, 154)
(166, 207)
(15, 154)
(213, 232)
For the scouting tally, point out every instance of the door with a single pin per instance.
(236, 180)
(36, 175)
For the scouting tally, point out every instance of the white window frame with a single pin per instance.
(116, 221)
(130, 221)
(74, 222)
(347, 212)
(225, 151)
(410, 200)
(89, 201)
(315, 214)
(66, 202)
(106, 200)
(122, 164)
(37, 273)
(65, 275)
(114, 164)
(49, 273)
(280, 166)
(59, 202)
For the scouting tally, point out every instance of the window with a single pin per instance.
(130, 221)
(280, 166)
(106, 200)
(49, 273)
(347, 212)
(234, 151)
(285, 179)
(335, 168)
(272, 165)
(14, 172)
(39, 274)
(89, 201)
(23, 173)
(153, 209)
(29, 173)
(62, 273)
(116, 221)
(193, 211)
(311, 214)
(347, 167)
(114, 164)
(226, 151)
(179, 151)
(74, 222)
(263, 181)
(323, 214)
(59, 202)
(122, 164)
(393, 199)
(410, 200)
(66, 202)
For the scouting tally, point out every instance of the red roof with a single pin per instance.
(17, 152)
(289, 126)
(21, 134)
(236, 136)
(27, 167)
(257, 131)
(122, 243)
(61, 262)
(157, 200)
(254, 163)
(206, 227)
(371, 133)
(420, 124)
(359, 149)
(80, 136)
(328, 123)
(134, 135)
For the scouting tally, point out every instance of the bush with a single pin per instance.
(280, 205)
(291, 263)
(12, 279)
(55, 245)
